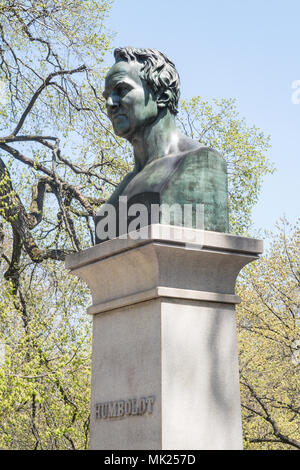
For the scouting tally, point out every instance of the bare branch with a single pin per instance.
(14, 213)
(89, 203)
(35, 96)
(265, 414)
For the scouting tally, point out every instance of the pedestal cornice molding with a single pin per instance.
(166, 234)
(164, 262)
(164, 292)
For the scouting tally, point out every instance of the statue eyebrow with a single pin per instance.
(114, 85)
(120, 82)
(123, 83)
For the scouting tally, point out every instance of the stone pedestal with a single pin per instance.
(164, 364)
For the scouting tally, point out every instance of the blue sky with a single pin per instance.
(248, 50)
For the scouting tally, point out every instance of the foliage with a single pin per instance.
(244, 148)
(269, 345)
(45, 362)
(51, 56)
(59, 157)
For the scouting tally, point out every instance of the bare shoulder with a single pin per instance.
(193, 150)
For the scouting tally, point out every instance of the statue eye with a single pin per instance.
(122, 89)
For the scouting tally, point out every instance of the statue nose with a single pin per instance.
(111, 102)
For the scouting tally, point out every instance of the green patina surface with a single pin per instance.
(191, 190)
(171, 169)
(200, 179)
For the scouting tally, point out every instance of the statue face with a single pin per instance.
(131, 105)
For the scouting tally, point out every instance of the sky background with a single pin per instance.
(243, 49)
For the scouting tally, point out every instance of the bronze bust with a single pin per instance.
(142, 94)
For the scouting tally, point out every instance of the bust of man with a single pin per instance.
(142, 93)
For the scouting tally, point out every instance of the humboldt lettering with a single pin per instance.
(124, 408)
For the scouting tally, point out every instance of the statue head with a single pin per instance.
(142, 84)
(157, 70)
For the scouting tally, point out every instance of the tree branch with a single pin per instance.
(13, 211)
(267, 417)
(37, 93)
(88, 203)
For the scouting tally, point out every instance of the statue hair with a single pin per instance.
(158, 71)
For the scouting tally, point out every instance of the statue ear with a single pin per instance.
(163, 99)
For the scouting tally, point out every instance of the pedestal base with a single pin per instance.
(164, 364)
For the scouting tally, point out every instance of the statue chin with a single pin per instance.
(121, 129)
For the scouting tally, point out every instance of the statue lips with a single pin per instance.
(119, 121)
(116, 116)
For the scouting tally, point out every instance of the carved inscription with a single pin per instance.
(124, 408)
